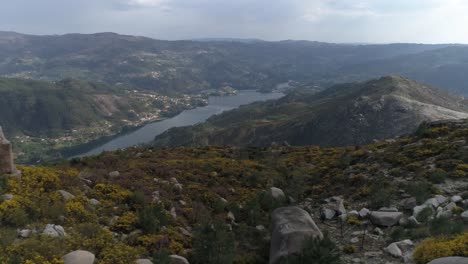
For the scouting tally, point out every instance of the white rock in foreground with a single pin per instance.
(450, 260)
(176, 259)
(79, 257)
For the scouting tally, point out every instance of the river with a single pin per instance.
(216, 105)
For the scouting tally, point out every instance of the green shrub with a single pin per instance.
(152, 218)
(425, 214)
(161, 257)
(445, 226)
(381, 195)
(213, 244)
(436, 176)
(421, 190)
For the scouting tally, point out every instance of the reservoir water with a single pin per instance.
(216, 105)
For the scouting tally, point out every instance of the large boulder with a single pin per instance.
(277, 193)
(464, 216)
(114, 174)
(6, 197)
(364, 213)
(402, 249)
(408, 203)
(176, 259)
(54, 231)
(456, 198)
(386, 219)
(450, 260)
(432, 202)
(418, 209)
(441, 199)
(291, 227)
(79, 257)
(327, 214)
(66, 196)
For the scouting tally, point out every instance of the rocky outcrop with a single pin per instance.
(291, 227)
(6, 155)
(79, 257)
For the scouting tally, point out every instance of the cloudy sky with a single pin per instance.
(369, 21)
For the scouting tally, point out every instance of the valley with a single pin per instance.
(216, 105)
(42, 118)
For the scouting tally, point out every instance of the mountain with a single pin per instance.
(347, 114)
(396, 201)
(39, 108)
(184, 66)
(444, 67)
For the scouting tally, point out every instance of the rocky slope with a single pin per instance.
(403, 200)
(347, 114)
(184, 66)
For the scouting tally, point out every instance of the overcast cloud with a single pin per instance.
(372, 21)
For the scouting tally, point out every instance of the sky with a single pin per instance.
(340, 21)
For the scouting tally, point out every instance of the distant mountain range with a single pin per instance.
(346, 114)
(193, 66)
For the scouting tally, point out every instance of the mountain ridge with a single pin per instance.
(186, 66)
(346, 114)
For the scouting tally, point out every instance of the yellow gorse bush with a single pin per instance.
(434, 248)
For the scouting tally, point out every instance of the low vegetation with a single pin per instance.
(145, 202)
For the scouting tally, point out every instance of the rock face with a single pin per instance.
(291, 227)
(6, 155)
(79, 257)
(450, 260)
